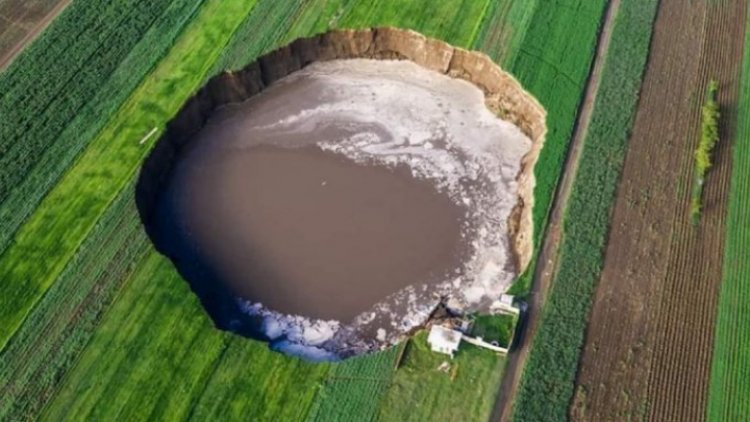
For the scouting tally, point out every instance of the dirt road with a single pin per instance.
(547, 259)
(25, 27)
(648, 347)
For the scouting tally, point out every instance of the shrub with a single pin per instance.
(709, 137)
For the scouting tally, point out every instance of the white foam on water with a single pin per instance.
(398, 113)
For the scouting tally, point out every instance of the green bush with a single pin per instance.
(709, 137)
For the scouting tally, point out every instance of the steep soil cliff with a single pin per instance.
(503, 95)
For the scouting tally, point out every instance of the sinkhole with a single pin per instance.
(329, 196)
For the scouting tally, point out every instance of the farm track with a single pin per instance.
(647, 351)
(547, 260)
(31, 26)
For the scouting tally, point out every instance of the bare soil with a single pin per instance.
(648, 345)
(22, 21)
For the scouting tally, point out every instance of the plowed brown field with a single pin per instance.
(21, 21)
(648, 345)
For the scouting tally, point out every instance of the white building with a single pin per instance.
(444, 340)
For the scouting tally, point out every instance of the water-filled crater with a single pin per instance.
(329, 196)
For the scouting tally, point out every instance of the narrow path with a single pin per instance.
(7, 57)
(547, 260)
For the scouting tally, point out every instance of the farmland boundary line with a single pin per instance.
(547, 261)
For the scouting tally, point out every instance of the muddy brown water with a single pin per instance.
(331, 213)
(309, 232)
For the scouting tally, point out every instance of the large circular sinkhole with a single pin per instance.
(330, 196)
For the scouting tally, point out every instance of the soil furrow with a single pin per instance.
(648, 347)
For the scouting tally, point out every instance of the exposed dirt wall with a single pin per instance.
(503, 95)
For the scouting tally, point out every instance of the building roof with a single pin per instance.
(444, 337)
(506, 300)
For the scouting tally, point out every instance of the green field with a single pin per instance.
(548, 379)
(91, 80)
(729, 391)
(94, 324)
(553, 63)
(463, 389)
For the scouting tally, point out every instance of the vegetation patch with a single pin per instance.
(554, 68)
(709, 137)
(431, 386)
(495, 328)
(729, 388)
(65, 141)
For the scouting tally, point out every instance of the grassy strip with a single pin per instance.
(499, 328)
(548, 379)
(53, 233)
(59, 328)
(423, 391)
(353, 388)
(452, 21)
(146, 354)
(36, 112)
(253, 383)
(729, 391)
(265, 28)
(49, 166)
(503, 29)
(553, 62)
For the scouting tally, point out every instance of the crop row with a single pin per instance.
(354, 388)
(429, 386)
(503, 30)
(33, 115)
(553, 62)
(729, 388)
(61, 325)
(548, 379)
(61, 137)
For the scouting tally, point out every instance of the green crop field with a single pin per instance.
(548, 380)
(729, 392)
(95, 324)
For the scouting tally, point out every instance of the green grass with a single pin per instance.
(354, 388)
(499, 328)
(502, 32)
(553, 62)
(729, 388)
(41, 98)
(98, 104)
(548, 379)
(66, 215)
(158, 356)
(61, 325)
(465, 391)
